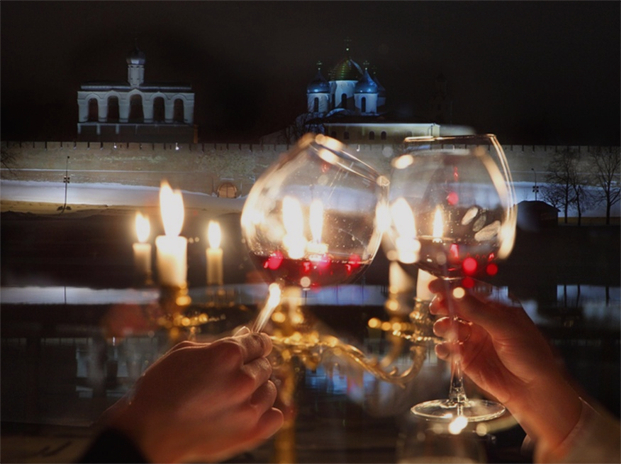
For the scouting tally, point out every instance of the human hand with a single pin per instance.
(204, 402)
(503, 352)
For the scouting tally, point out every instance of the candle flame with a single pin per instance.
(214, 234)
(316, 220)
(143, 227)
(438, 224)
(171, 208)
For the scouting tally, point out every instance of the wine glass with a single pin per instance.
(311, 220)
(453, 215)
(422, 441)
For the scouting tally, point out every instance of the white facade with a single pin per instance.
(135, 110)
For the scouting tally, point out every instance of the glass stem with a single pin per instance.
(457, 393)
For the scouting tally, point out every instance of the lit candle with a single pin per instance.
(142, 250)
(214, 255)
(171, 248)
(422, 285)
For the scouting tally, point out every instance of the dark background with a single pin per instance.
(531, 72)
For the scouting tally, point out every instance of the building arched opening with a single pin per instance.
(178, 111)
(346, 135)
(383, 135)
(344, 100)
(113, 109)
(363, 104)
(159, 110)
(227, 190)
(93, 110)
(136, 113)
(372, 135)
(316, 105)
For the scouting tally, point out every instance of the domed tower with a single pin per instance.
(343, 79)
(318, 93)
(381, 92)
(365, 93)
(135, 67)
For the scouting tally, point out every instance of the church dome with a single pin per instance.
(346, 70)
(136, 57)
(366, 84)
(318, 85)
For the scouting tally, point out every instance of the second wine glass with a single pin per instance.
(452, 212)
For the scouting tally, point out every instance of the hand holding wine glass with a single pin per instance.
(452, 215)
(505, 354)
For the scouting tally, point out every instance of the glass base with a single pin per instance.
(475, 410)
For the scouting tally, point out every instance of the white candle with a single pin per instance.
(142, 250)
(422, 285)
(171, 248)
(214, 255)
(399, 281)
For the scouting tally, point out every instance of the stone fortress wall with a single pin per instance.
(224, 169)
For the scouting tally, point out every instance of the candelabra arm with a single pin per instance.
(313, 349)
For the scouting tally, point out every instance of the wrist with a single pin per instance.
(548, 411)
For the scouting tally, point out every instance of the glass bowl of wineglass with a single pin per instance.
(453, 215)
(311, 219)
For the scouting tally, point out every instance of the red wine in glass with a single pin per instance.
(313, 272)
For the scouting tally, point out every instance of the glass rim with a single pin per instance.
(448, 138)
(336, 153)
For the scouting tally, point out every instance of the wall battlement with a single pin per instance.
(203, 167)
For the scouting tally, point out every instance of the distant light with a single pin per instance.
(491, 269)
(457, 425)
(458, 293)
(452, 198)
(469, 265)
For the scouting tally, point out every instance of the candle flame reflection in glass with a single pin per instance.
(272, 303)
(438, 225)
(293, 220)
(316, 220)
(407, 245)
(143, 227)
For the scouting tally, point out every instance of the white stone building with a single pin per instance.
(350, 105)
(135, 110)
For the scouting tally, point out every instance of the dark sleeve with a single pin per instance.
(112, 446)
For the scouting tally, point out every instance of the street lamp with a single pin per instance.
(66, 180)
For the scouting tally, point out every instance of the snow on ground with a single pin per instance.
(108, 195)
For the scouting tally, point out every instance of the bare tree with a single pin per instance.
(305, 122)
(8, 158)
(605, 164)
(567, 184)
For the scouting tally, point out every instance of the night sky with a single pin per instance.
(530, 72)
